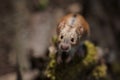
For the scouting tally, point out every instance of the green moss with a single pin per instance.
(100, 71)
(50, 70)
(91, 53)
(43, 4)
(54, 39)
(77, 67)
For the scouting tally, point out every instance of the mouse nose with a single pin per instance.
(64, 47)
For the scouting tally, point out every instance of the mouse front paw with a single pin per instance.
(68, 59)
(59, 60)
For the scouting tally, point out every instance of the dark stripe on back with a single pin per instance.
(73, 19)
(74, 15)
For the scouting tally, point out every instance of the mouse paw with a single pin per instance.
(59, 60)
(68, 59)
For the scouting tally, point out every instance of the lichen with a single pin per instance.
(100, 71)
(76, 68)
(91, 53)
(50, 70)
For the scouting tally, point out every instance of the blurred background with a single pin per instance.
(31, 23)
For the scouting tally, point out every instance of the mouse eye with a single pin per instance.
(61, 37)
(72, 39)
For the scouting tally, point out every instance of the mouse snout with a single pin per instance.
(65, 47)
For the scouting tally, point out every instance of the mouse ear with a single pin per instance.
(83, 30)
(60, 26)
(80, 30)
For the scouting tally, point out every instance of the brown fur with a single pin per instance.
(71, 30)
(79, 22)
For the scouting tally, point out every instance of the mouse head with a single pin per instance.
(71, 30)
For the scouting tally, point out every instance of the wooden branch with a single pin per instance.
(30, 75)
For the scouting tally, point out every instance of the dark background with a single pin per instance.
(103, 17)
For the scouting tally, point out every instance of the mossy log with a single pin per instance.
(82, 68)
